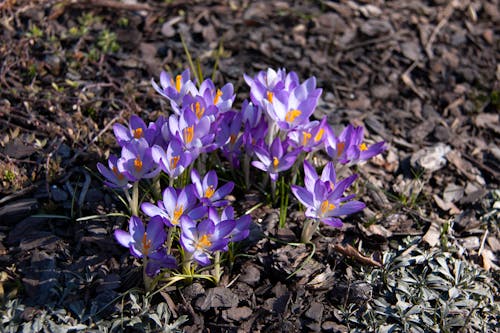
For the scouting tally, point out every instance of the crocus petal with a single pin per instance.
(303, 195)
(122, 134)
(333, 221)
(123, 237)
(151, 210)
(223, 191)
(156, 232)
(349, 208)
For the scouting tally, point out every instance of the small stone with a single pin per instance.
(218, 297)
(250, 275)
(237, 314)
(315, 312)
(470, 243)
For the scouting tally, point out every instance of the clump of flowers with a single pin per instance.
(191, 221)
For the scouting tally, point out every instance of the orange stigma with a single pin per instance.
(276, 162)
(270, 96)
(146, 243)
(138, 164)
(291, 115)
(117, 173)
(319, 135)
(306, 136)
(203, 242)
(340, 148)
(198, 110)
(137, 133)
(232, 138)
(363, 147)
(188, 134)
(209, 192)
(177, 214)
(174, 161)
(218, 94)
(178, 83)
(326, 206)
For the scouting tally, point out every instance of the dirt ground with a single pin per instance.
(422, 75)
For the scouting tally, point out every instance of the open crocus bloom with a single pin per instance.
(206, 190)
(204, 238)
(114, 178)
(147, 243)
(174, 205)
(136, 161)
(274, 159)
(324, 198)
(175, 88)
(349, 148)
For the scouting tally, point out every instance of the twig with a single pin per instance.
(448, 11)
(95, 138)
(483, 239)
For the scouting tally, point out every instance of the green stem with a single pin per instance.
(186, 265)
(246, 170)
(148, 282)
(134, 202)
(310, 227)
(217, 268)
(157, 187)
(170, 238)
(284, 195)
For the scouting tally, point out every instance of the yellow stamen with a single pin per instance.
(138, 164)
(326, 206)
(319, 135)
(118, 174)
(363, 147)
(188, 134)
(340, 148)
(178, 83)
(146, 243)
(137, 133)
(276, 162)
(306, 137)
(203, 242)
(177, 214)
(209, 192)
(199, 111)
(292, 114)
(270, 96)
(218, 94)
(174, 161)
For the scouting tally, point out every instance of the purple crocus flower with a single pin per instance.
(206, 190)
(147, 242)
(228, 136)
(136, 130)
(349, 148)
(324, 199)
(221, 98)
(242, 224)
(275, 159)
(267, 83)
(311, 137)
(174, 205)
(293, 109)
(136, 161)
(114, 178)
(174, 160)
(194, 133)
(175, 89)
(204, 238)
